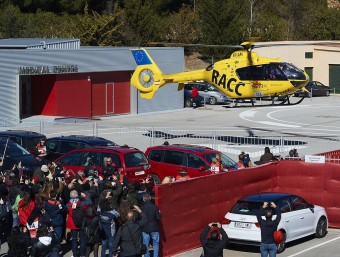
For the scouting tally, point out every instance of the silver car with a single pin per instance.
(209, 92)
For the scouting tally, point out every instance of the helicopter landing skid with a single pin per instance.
(254, 102)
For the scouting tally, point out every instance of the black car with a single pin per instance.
(26, 139)
(12, 153)
(188, 100)
(315, 88)
(57, 146)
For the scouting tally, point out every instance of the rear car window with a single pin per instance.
(247, 208)
(135, 159)
(52, 145)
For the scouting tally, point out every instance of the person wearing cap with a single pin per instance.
(268, 227)
(183, 175)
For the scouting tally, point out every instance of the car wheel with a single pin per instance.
(212, 100)
(188, 103)
(156, 179)
(282, 246)
(321, 228)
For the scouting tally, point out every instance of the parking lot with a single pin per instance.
(315, 121)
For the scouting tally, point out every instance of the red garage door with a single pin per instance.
(110, 93)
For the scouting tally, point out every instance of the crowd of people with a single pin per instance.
(57, 209)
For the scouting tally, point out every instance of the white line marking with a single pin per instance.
(313, 247)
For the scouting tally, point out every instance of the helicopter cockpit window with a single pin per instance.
(252, 73)
(275, 72)
(291, 71)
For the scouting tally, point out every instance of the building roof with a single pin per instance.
(39, 43)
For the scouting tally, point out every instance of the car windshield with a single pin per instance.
(226, 161)
(247, 208)
(13, 150)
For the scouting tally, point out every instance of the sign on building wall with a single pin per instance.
(56, 69)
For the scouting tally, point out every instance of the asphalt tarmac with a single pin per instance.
(307, 247)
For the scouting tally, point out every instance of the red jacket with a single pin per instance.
(194, 92)
(69, 220)
(25, 213)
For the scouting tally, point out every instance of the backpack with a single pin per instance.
(78, 216)
(90, 233)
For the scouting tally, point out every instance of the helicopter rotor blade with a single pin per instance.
(196, 45)
(328, 43)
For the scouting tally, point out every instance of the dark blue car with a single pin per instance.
(11, 153)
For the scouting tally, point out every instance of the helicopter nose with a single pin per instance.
(299, 83)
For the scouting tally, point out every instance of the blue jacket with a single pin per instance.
(108, 220)
(55, 209)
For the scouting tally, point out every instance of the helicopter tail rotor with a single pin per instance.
(147, 78)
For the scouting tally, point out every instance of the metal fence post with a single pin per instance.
(214, 140)
(152, 136)
(41, 127)
(95, 129)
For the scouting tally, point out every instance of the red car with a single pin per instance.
(168, 160)
(129, 161)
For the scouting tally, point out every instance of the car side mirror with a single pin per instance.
(311, 207)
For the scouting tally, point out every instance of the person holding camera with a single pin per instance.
(213, 239)
(268, 227)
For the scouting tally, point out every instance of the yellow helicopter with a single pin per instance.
(244, 75)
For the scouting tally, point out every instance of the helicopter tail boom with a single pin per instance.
(147, 77)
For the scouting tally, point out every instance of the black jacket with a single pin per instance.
(129, 237)
(268, 227)
(40, 249)
(151, 211)
(213, 248)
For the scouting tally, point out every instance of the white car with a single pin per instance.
(299, 219)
